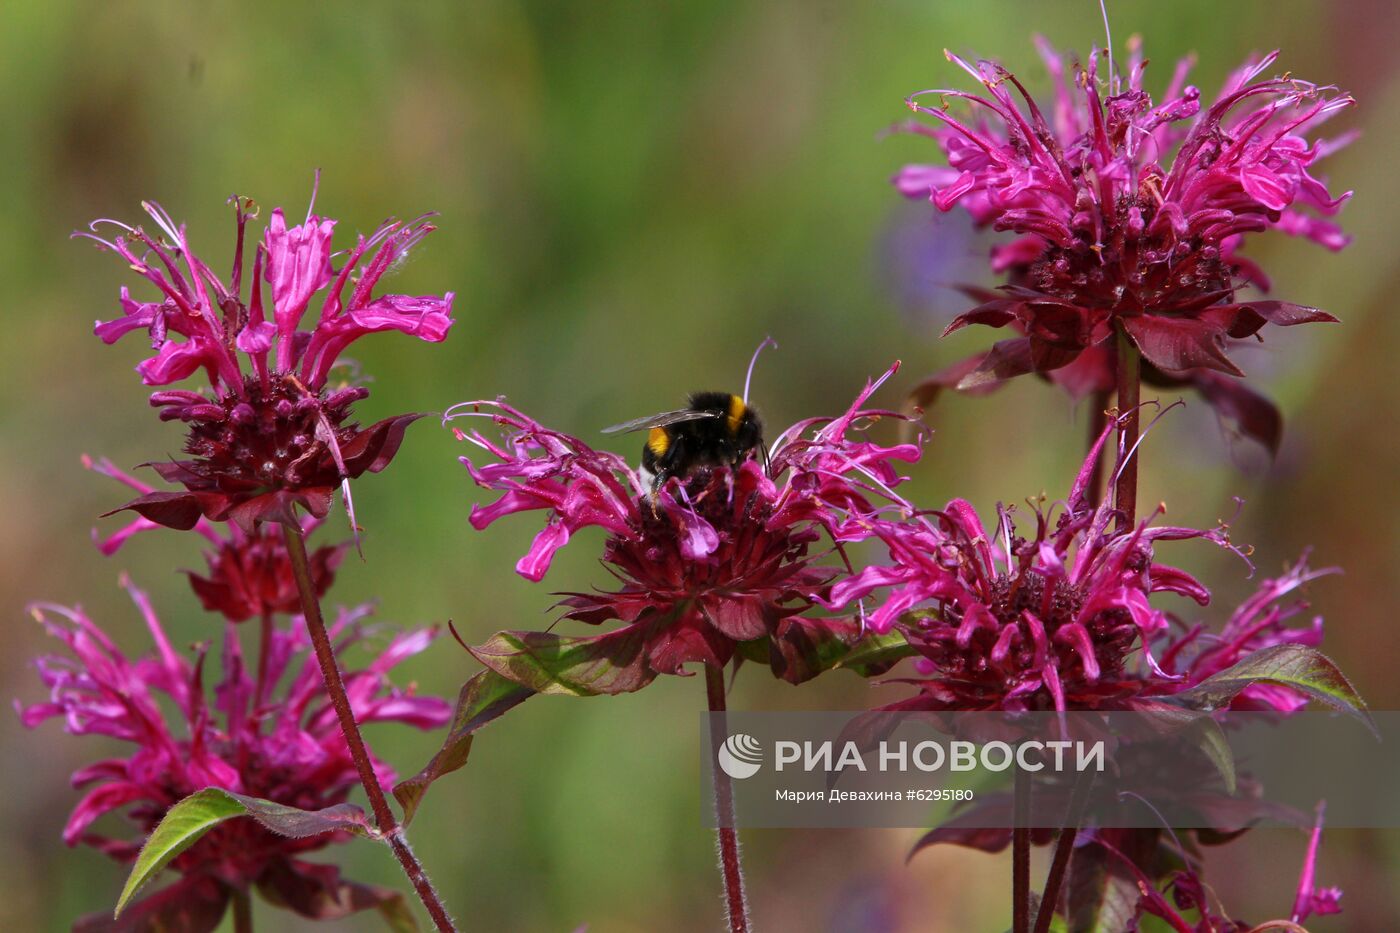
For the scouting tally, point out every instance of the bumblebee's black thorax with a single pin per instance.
(727, 439)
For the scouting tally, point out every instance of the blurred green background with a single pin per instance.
(632, 195)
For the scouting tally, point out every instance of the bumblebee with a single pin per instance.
(715, 429)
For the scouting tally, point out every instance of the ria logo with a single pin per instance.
(740, 756)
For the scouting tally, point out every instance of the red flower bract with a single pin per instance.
(271, 433)
(1061, 619)
(722, 557)
(283, 745)
(1130, 214)
(250, 574)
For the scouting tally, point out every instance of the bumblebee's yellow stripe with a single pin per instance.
(736, 413)
(658, 441)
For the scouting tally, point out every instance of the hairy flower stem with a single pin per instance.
(264, 653)
(335, 686)
(1129, 404)
(729, 862)
(242, 912)
(1021, 854)
(1064, 848)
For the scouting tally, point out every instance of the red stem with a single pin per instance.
(242, 912)
(335, 687)
(264, 651)
(1129, 405)
(729, 863)
(1064, 848)
(1021, 854)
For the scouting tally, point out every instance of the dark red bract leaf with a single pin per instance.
(320, 893)
(190, 905)
(1250, 413)
(1181, 344)
(178, 510)
(372, 448)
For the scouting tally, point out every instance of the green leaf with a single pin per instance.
(481, 699)
(1210, 739)
(611, 663)
(800, 649)
(187, 821)
(181, 828)
(875, 654)
(1297, 667)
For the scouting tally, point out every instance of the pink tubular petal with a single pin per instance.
(535, 564)
(298, 265)
(1310, 899)
(95, 803)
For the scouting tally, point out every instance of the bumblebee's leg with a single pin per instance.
(664, 467)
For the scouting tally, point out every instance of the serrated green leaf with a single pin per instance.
(187, 821)
(1297, 667)
(181, 827)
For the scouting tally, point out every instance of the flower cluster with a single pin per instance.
(273, 737)
(250, 575)
(1056, 620)
(715, 559)
(1130, 213)
(271, 433)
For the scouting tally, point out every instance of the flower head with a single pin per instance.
(1128, 212)
(270, 432)
(275, 737)
(1062, 617)
(250, 574)
(717, 558)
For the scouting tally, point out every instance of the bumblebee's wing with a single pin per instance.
(662, 420)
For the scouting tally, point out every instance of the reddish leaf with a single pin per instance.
(178, 510)
(318, 892)
(1007, 359)
(923, 395)
(482, 699)
(1246, 318)
(371, 449)
(190, 905)
(299, 824)
(997, 312)
(1294, 666)
(1177, 344)
(1102, 895)
(800, 649)
(1248, 412)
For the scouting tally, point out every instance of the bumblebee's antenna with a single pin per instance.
(748, 378)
